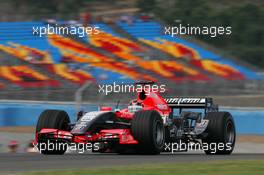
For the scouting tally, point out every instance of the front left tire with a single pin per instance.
(148, 129)
(53, 119)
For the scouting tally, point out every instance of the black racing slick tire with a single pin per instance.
(53, 119)
(221, 133)
(148, 129)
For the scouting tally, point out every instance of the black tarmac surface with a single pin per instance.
(18, 163)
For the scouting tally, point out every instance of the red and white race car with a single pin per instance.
(149, 125)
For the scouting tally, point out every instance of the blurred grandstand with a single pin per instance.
(130, 47)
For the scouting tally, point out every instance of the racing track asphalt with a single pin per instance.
(17, 163)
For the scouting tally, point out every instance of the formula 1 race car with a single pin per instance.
(149, 125)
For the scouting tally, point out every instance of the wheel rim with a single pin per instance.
(158, 133)
(230, 132)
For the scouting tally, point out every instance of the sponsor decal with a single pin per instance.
(185, 100)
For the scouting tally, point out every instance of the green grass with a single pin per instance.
(213, 168)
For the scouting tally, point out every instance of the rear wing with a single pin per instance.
(192, 102)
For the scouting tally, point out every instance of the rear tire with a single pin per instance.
(221, 130)
(147, 128)
(54, 119)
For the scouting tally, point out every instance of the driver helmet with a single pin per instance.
(135, 106)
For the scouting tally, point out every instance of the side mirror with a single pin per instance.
(79, 115)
